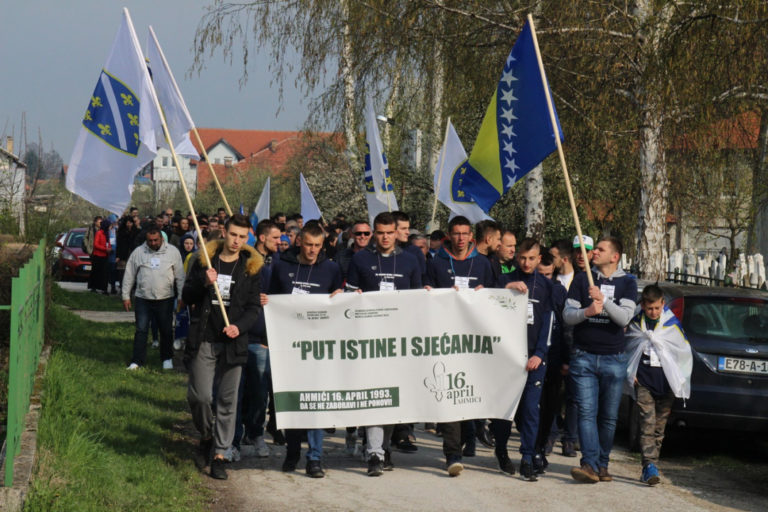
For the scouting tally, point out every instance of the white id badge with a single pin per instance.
(530, 313)
(608, 291)
(297, 290)
(225, 283)
(386, 286)
(154, 262)
(461, 282)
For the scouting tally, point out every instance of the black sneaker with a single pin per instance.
(526, 471)
(375, 467)
(506, 465)
(569, 450)
(289, 464)
(484, 436)
(540, 463)
(217, 469)
(388, 466)
(277, 437)
(314, 469)
(405, 445)
(203, 455)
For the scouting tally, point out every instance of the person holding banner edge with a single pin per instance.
(382, 267)
(298, 271)
(527, 279)
(458, 265)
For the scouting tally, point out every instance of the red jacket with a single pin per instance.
(101, 246)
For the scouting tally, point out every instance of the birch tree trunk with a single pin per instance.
(350, 125)
(534, 203)
(438, 90)
(651, 222)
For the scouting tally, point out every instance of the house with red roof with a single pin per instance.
(232, 153)
(12, 183)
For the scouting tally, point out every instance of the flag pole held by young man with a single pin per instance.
(206, 256)
(194, 128)
(560, 152)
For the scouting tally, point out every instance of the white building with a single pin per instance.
(12, 184)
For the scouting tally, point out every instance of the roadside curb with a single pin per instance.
(12, 498)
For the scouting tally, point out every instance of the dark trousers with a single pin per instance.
(455, 435)
(549, 405)
(98, 279)
(526, 418)
(162, 312)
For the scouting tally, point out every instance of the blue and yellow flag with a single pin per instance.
(516, 133)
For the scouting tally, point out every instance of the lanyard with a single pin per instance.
(471, 262)
(298, 270)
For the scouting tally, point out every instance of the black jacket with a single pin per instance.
(244, 305)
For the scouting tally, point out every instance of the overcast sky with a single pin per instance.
(52, 51)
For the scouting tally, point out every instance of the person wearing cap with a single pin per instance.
(599, 313)
(285, 243)
(578, 256)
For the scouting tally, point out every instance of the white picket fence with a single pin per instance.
(688, 267)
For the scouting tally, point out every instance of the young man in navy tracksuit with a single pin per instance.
(299, 271)
(382, 266)
(458, 265)
(598, 363)
(550, 403)
(539, 318)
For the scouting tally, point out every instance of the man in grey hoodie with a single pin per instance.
(155, 267)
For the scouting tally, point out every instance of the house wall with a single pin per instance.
(166, 177)
(12, 190)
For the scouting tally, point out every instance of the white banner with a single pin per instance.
(396, 357)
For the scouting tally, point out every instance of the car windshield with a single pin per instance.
(740, 320)
(75, 240)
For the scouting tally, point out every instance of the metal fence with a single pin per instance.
(27, 336)
(682, 278)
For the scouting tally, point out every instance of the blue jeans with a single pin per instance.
(161, 311)
(314, 440)
(598, 381)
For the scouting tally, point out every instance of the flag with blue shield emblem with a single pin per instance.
(117, 136)
(379, 190)
(516, 133)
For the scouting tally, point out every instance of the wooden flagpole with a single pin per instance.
(440, 171)
(560, 153)
(194, 128)
(206, 256)
(213, 173)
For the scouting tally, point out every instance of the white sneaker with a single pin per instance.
(262, 450)
(133, 366)
(168, 364)
(155, 343)
(232, 454)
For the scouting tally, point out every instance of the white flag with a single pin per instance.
(377, 179)
(447, 176)
(117, 137)
(309, 208)
(177, 116)
(262, 207)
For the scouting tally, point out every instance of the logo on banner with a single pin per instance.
(451, 386)
(505, 301)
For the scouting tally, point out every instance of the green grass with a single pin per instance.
(85, 300)
(109, 439)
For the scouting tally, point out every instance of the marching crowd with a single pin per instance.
(588, 342)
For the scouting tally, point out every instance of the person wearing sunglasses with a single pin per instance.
(361, 236)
